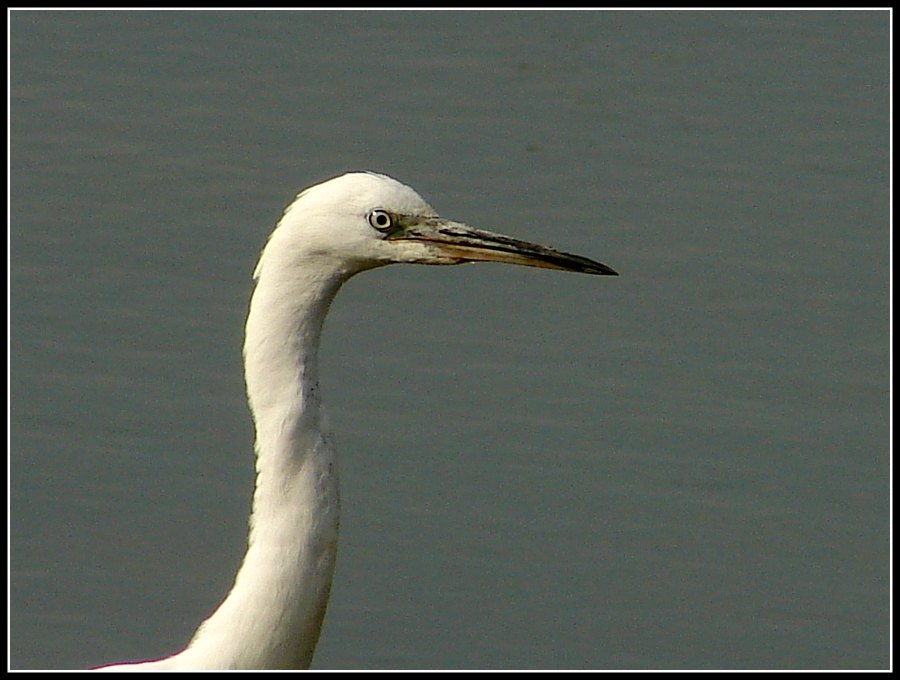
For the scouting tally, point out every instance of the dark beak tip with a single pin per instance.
(600, 269)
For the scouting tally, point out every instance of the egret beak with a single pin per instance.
(458, 242)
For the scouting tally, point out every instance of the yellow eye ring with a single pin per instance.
(381, 220)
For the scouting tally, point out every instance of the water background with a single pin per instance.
(685, 467)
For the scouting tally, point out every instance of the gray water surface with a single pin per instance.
(685, 467)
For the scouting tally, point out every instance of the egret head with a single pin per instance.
(363, 219)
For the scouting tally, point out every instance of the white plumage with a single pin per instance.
(272, 616)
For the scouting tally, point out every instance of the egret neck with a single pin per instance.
(272, 617)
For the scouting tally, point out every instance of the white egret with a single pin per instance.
(272, 616)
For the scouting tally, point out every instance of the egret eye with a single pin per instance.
(381, 220)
